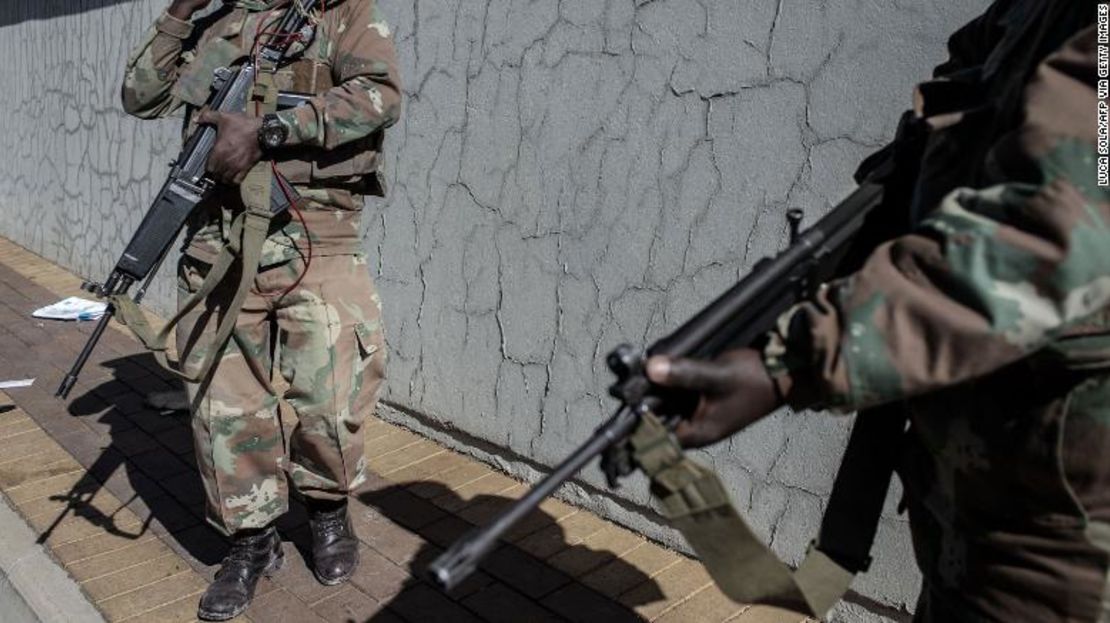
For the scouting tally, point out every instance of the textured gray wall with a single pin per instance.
(568, 175)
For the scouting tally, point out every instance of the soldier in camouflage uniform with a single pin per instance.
(313, 293)
(989, 324)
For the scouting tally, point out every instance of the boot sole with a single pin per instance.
(275, 565)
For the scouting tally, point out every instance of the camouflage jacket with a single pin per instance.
(332, 154)
(989, 326)
(1011, 254)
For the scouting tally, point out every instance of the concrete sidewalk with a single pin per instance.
(110, 487)
(33, 587)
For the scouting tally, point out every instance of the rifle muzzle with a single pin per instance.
(456, 564)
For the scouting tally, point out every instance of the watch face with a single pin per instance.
(273, 137)
(273, 133)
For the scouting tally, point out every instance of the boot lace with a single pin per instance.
(334, 521)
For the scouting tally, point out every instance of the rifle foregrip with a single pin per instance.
(159, 228)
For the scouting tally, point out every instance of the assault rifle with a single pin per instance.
(737, 318)
(189, 183)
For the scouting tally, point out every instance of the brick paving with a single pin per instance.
(111, 488)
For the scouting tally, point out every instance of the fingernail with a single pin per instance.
(659, 368)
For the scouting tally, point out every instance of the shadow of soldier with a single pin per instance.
(142, 459)
(530, 577)
(140, 456)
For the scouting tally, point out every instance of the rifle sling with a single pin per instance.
(696, 503)
(249, 230)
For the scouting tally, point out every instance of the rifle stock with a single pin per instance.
(737, 318)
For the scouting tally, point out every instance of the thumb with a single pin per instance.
(691, 374)
(208, 117)
(694, 433)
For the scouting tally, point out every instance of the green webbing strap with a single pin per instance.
(248, 232)
(695, 502)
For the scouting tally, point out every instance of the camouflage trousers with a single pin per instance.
(331, 355)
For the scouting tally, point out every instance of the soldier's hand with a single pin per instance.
(236, 150)
(184, 9)
(735, 392)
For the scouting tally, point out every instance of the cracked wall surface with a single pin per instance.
(568, 175)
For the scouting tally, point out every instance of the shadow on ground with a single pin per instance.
(144, 457)
(511, 584)
(147, 462)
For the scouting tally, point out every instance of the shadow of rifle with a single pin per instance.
(79, 502)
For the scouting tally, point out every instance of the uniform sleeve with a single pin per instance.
(991, 276)
(971, 44)
(367, 97)
(152, 69)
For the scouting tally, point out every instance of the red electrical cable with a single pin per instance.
(288, 192)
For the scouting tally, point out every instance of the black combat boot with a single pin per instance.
(252, 555)
(334, 545)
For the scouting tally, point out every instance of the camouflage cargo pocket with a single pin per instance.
(190, 274)
(366, 335)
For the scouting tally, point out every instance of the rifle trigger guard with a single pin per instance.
(807, 284)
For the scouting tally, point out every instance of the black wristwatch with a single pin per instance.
(273, 133)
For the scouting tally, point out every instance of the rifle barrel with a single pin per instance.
(458, 562)
(71, 379)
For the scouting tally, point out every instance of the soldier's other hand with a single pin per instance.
(735, 392)
(184, 9)
(236, 150)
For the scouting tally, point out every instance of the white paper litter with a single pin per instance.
(73, 308)
(16, 384)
